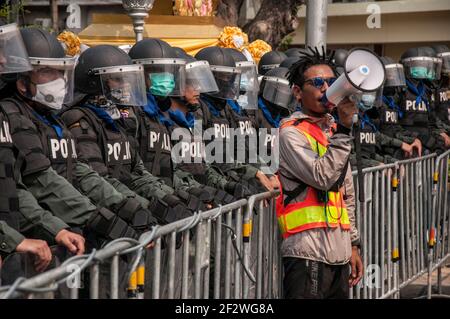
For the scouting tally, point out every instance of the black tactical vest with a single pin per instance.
(416, 116)
(26, 136)
(266, 134)
(189, 152)
(367, 139)
(153, 140)
(108, 151)
(9, 171)
(245, 137)
(219, 128)
(442, 104)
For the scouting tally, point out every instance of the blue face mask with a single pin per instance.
(420, 72)
(162, 83)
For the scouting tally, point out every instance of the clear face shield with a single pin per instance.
(53, 81)
(423, 68)
(445, 57)
(278, 91)
(123, 85)
(228, 81)
(395, 75)
(200, 78)
(249, 86)
(164, 77)
(367, 100)
(13, 54)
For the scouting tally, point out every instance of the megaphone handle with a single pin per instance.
(359, 168)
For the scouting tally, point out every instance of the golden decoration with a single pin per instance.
(258, 48)
(233, 37)
(71, 42)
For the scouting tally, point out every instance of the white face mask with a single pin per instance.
(112, 111)
(51, 93)
(243, 101)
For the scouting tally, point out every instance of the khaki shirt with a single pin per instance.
(299, 162)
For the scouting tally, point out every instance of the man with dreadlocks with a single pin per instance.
(316, 207)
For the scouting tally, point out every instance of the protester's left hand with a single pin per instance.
(357, 267)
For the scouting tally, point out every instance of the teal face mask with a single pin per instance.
(162, 83)
(420, 72)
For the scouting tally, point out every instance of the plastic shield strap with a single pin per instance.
(165, 77)
(395, 75)
(13, 55)
(46, 70)
(278, 91)
(445, 57)
(423, 68)
(200, 78)
(228, 81)
(249, 86)
(124, 85)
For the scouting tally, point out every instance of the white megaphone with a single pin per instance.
(363, 72)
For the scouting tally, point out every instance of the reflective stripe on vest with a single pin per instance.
(311, 212)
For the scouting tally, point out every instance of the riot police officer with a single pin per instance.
(275, 99)
(19, 211)
(421, 65)
(109, 79)
(215, 114)
(442, 88)
(388, 115)
(270, 60)
(51, 163)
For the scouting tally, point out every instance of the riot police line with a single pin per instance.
(88, 143)
(404, 228)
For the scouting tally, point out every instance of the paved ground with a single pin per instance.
(419, 287)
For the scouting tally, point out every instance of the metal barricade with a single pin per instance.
(234, 251)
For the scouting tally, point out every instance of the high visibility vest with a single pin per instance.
(311, 212)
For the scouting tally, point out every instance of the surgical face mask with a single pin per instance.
(162, 83)
(120, 96)
(420, 72)
(51, 93)
(366, 102)
(243, 101)
(112, 111)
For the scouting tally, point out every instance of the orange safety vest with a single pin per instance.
(312, 212)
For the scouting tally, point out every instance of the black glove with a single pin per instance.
(169, 209)
(238, 190)
(191, 200)
(110, 226)
(131, 211)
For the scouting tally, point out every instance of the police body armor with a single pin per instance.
(415, 116)
(442, 104)
(188, 147)
(220, 130)
(153, 140)
(112, 153)
(244, 128)
(367, 139)
(9, 171)
(265, 131)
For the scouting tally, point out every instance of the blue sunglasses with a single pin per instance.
(319, 82)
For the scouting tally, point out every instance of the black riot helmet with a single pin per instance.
(443, 52)
(225, 72)
(164, 69)
(270, 60)
(107, 71)
(152, 49)
(395, 73)
(237, 55)
(86, 81)
(340, 55)
(275, 88)
(421, 63)
(42, 44)
(289, 62)
(294, 53)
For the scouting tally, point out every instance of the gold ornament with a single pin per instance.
(70, 42)
(258, 48)
(233, 37)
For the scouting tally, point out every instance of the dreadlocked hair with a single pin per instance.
(311, 57)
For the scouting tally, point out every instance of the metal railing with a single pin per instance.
(233, 251)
